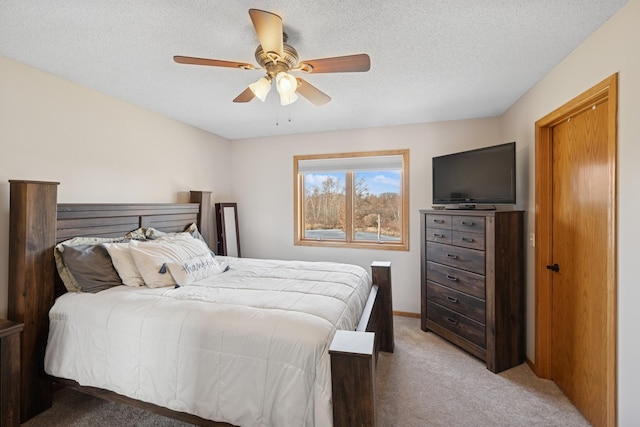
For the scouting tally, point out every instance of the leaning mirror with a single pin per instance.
(228, 237)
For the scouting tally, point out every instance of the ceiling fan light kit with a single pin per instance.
(288, 98)
(261, 88)
(286, 82)
(277, 59)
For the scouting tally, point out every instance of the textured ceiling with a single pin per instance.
(431, 60)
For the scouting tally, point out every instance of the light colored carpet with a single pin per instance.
(425, 382)
(429, 382)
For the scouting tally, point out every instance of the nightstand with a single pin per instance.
(10, 373)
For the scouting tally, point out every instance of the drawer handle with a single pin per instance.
(452, 299)
(438, 235)
(470, 224)
(439, 221)
(468, 239)
(452, 256)
(452, 278)
(452, 321)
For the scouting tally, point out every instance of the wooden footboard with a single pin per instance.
(38, 223)
(354, 355)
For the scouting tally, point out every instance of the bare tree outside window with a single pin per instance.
(363, 205)
(324, 206)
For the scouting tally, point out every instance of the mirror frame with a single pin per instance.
(223, 222)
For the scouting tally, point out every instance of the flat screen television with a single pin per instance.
(485, 176)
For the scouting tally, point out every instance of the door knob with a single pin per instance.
(554, 267)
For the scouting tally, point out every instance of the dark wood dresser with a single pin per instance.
(472, 274)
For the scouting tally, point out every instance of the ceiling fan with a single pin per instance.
(278, 59)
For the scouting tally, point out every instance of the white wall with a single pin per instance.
(612, 48)
(263, 185)
(100, 149)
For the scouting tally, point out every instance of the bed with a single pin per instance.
(38, 223)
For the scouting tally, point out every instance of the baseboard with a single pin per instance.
(406, 314)
(530, 363)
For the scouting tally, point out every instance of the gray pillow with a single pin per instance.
(90, 268)
(64, 272)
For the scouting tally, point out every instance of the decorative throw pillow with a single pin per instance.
(124, 264)
(91, 256)
(153, 233)
(90, 267)
(194, 269)
(137, 234)
(152, 257)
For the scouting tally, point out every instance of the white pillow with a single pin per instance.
(124, 264)
(194, 269)
(152, 257)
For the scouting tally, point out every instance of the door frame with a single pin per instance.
(605, 90)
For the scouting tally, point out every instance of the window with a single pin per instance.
(352, 200)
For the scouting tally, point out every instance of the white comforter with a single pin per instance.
(248, 346)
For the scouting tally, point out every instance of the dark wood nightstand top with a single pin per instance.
(7, 327)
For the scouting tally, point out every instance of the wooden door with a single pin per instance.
(579, 223)
(575, 229)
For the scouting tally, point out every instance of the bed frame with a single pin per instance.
(38, 223)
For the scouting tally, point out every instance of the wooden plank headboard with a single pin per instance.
(37, 223)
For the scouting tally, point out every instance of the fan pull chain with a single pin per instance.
(288, 110)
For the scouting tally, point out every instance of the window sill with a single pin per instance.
(385, 246)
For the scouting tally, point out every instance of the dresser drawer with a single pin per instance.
(439, 221)
(457, 323)
(472, 307)
(472, 224)
(438, 235)
(468, 240)
(454, 256)
(463, 281)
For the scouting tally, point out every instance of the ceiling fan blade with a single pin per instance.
(337, 64)
(269, 29)
(246, 96)
(313, 94)
(212, 62)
